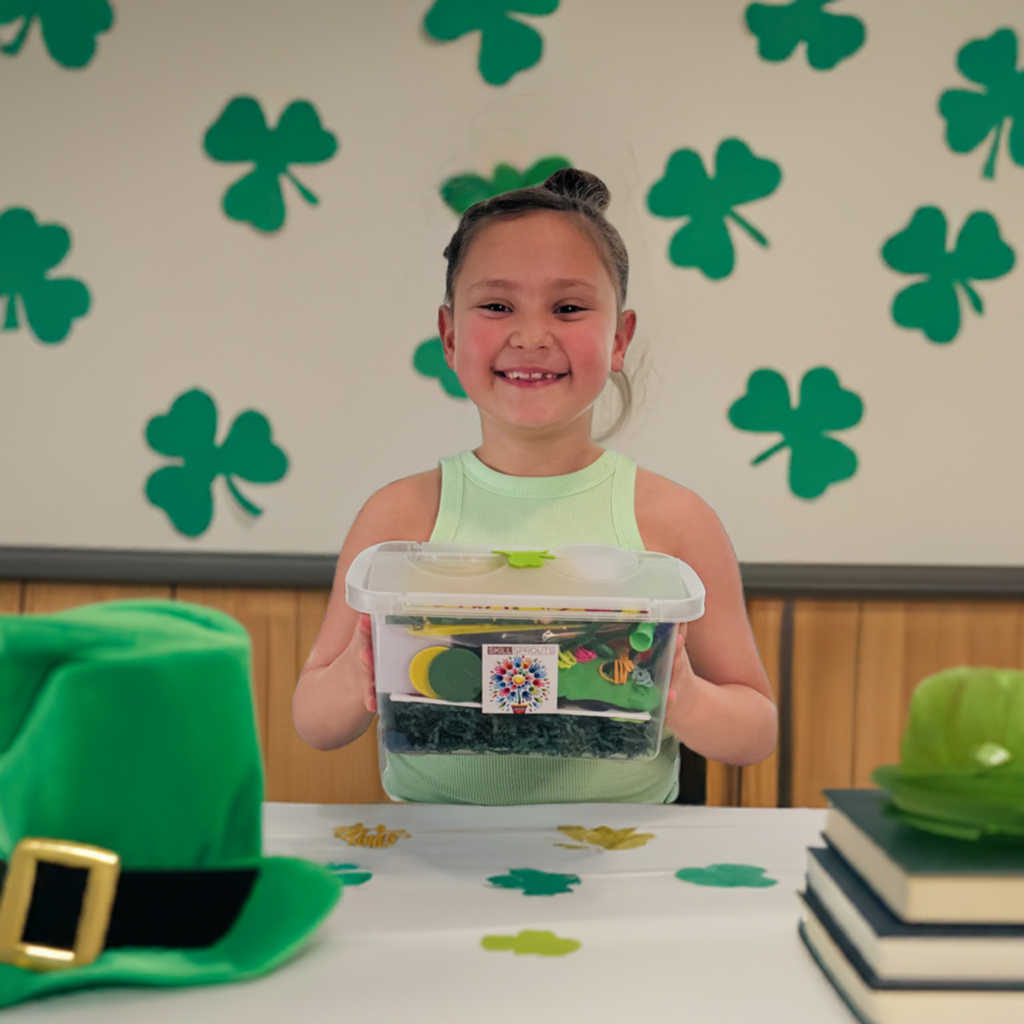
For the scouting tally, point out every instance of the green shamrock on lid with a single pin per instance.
(972, 116)
(188, 432)
(429, 360)
(241, 135)
(780, 28)
(69, 27)
(28, 250)
(933, 305)
(525, 559)
(507, 46)
(462, 191)
(816, 460)
(685, 190)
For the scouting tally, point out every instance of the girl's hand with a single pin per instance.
(683, 682)
(359, 655)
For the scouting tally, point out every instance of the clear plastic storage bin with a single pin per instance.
(561, 653)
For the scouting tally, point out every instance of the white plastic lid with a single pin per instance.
(581, 581)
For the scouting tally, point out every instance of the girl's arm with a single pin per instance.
(721, 706)
(334, 701)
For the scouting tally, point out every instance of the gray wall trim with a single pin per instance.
(230, 569)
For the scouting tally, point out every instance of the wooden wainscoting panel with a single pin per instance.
(824, 688)
(56, 597)
(759, 783)
(11, 596)
(722, 785)
(350, 775)
(881, 702)
(271, 618)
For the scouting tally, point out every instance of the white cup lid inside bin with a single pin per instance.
(580, 581)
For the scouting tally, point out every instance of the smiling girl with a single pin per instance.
(534, 325)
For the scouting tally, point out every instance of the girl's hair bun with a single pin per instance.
(581, 185)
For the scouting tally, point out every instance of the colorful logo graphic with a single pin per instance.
(519, 683)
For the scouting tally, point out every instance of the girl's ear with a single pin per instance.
(446, 330)
(623, 336)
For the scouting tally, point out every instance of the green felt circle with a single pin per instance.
(456, 675)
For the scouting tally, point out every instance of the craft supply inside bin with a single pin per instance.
(562, 653)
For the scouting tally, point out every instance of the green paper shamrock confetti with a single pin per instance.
(525, 559)
(462, 191)
(830, 38)
(971, 116)
(687, 191)
(241, 135)
(527, 942)
(536, 883)
(188, 432)
(69, 27)
(728, 876)
(27, 251)
(816, 460)
(933, 305)
(429, 360)
(349, 874)
(507, 46)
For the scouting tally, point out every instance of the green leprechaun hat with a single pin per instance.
(130, 799)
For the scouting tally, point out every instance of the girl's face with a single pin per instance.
(534, 328)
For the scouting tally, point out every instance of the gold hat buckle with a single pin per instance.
(104, 868)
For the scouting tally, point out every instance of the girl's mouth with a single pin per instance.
(522, 379)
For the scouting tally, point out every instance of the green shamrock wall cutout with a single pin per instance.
(428, 359)
(28, 250)
(536, 883)
(816, 460)
(507, 46)
(687, 191)
(830, 38)
(728, 876)
(972, 116)
(188, 432)
(933, 305)
(241, 135)
(69, 27)
(463, 190)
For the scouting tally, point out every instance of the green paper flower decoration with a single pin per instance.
(28, 250)
(816, 460)
(349, 874)
(536, 883)
(780, 28)
(933, 305)
(972, 116)
(463, 190)
(961, 770)
(728, 876)
(241, 135)
(686, 190)
(188, 432)
(429, 361)
(507, 46)
(69, 27)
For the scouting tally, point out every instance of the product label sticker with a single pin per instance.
(520, 679)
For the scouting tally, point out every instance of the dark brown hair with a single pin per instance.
(570, 191)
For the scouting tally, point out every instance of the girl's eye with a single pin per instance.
(570, 308)
(495, 307)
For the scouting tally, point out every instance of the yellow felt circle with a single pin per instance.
(419, 667)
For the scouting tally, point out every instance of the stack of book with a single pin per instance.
(914, 927)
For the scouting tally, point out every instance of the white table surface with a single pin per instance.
(406, 945)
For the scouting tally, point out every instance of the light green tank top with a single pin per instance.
(481, 506)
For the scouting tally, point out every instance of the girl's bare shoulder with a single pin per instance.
(405, 508)
(672, 518)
